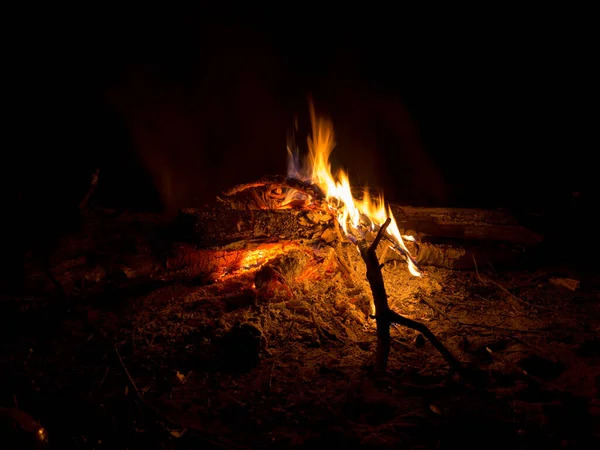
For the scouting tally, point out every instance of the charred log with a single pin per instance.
(219, 227)
(463, 224)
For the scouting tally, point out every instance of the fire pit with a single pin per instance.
(268, 319)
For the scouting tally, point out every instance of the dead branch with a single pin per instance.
(91, 190)
(385, 316)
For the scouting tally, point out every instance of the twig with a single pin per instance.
(132, 383)
(91, 190)
(104, 377)
(477, 270)
(385, 316)
(489, 262)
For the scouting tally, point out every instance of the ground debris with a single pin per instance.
(282, 355)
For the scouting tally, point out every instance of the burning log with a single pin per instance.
(464, 224)
(272, 193)
(226, 227)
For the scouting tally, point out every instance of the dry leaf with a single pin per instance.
(177, 433)
(180, 377)
(435, 409)
(568, 283)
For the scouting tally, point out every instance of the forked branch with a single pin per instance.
(385, 316)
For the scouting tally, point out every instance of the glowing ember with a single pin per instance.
(262, 255)
(238, 262)
(354, 216)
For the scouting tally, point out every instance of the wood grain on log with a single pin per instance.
(464, 223)
(218, 227)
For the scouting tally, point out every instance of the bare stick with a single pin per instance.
(91, 190)
(477, 270)
(385, 316)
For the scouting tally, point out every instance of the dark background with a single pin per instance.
(473, 108)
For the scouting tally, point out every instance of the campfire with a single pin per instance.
(363, 222)
(297, 300)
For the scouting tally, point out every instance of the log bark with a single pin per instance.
(456, 254)
(221, 227)
(464, 224)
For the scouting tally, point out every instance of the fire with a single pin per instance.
(256, 258)
(354, 216)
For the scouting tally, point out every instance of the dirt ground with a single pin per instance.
(238, 364)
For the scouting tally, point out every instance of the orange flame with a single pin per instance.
(352, 214)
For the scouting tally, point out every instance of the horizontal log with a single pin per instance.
(221, 227)
(464, 223)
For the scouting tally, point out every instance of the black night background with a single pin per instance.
(177, 105)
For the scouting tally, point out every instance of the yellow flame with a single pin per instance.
(338, 192)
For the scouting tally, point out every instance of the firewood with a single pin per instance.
(219, 227)
(459, 254)
(464, 224)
